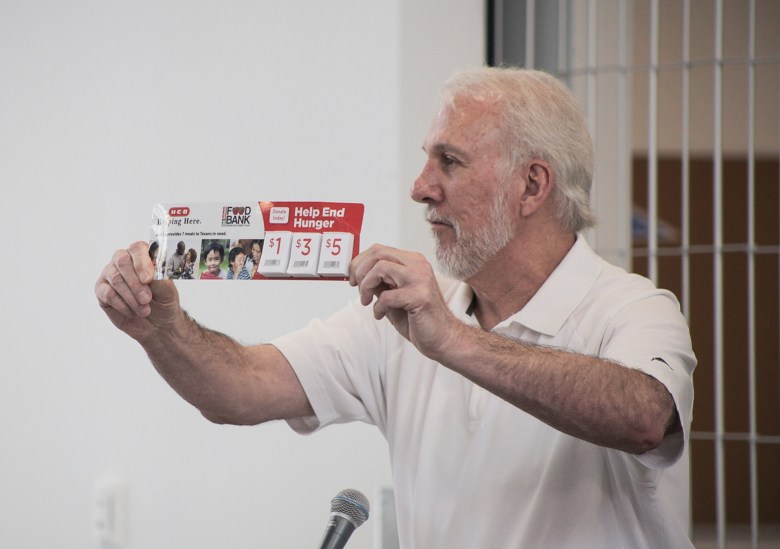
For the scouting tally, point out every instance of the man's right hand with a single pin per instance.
(226, 381)
(131, 298)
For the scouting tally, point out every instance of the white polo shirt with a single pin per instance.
(471, 470)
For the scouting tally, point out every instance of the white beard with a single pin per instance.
(466, 256)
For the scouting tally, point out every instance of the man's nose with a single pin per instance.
(426, 188)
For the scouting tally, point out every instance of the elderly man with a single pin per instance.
(533, 398)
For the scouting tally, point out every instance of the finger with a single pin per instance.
(112, 301)
(352, 267)
(385, 275)
(120, 294)
(397, 298)
(364, 262)
(142, 263)
(382, 304)
(137, 271)
(400, 286)
(119, 285)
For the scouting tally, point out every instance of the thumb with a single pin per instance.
(164, 292)
(165, 302)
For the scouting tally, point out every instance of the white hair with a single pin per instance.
(540, 119)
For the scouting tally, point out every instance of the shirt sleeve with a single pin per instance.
(339, 362)
(651, 335)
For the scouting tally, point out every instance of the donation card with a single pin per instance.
(255, 240)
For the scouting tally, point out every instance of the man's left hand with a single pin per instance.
(408, 294)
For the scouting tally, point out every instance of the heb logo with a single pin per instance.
(179, 212)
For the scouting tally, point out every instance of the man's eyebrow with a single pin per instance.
(440, 148)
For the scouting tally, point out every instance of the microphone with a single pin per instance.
(348, 510)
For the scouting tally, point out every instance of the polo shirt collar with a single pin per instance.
(561, 293)
(462, 302)
(554, 302)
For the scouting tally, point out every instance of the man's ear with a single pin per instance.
(539, 183)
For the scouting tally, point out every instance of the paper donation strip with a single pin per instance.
(255, 240)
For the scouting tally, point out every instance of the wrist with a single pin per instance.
(453, 343)
(168, 331)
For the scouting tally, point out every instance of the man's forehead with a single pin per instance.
(461, 123)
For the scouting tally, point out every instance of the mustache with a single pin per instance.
(433, 216)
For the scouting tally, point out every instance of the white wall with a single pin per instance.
(437, 38)
(107, 107)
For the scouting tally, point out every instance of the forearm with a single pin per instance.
(227, 382)
(596, 400)
(211, 371)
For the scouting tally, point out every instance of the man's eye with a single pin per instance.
(448, 160)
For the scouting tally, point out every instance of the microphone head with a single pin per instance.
(352, 504)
